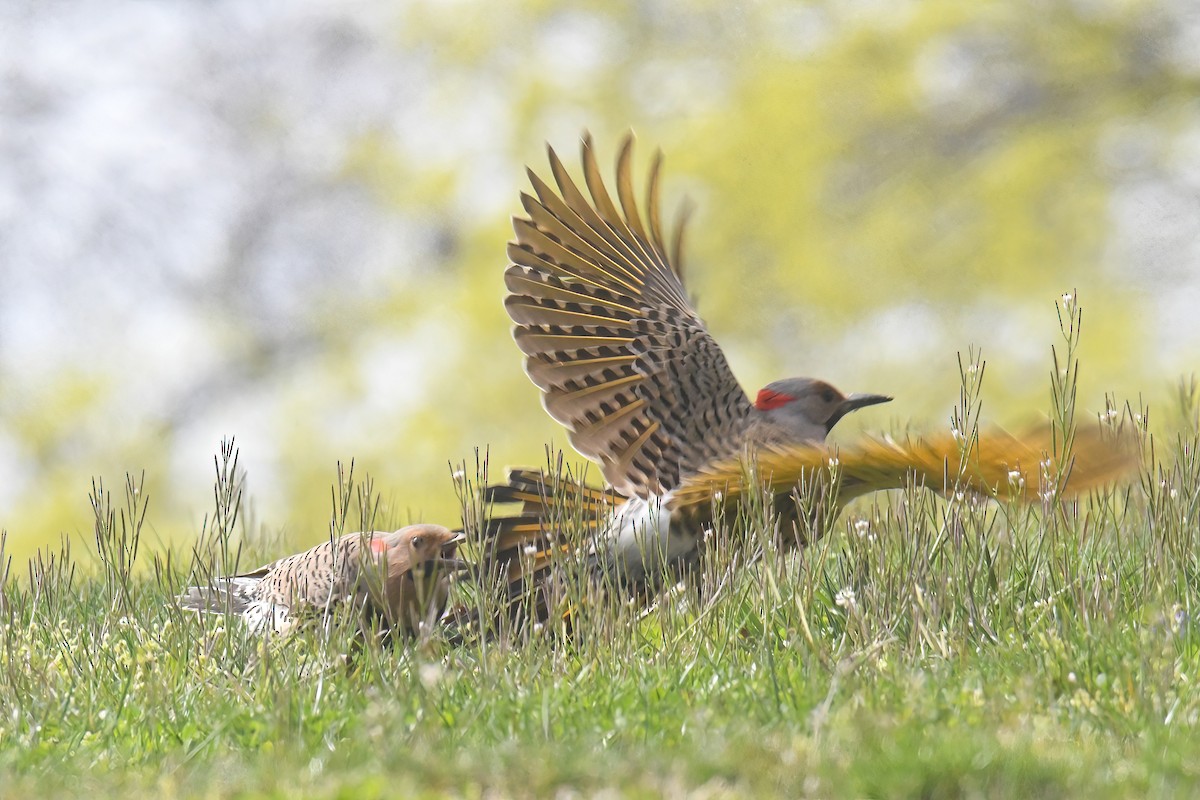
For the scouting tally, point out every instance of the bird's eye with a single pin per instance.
(827, 395)
(417, 542)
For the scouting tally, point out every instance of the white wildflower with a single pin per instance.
(862, 527)
(430, 675)
(845, 598)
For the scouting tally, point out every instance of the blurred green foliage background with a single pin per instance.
(289, 225)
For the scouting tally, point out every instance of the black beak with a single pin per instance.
(853, 403)
(441, 565)
(451, 546)
(453, 564)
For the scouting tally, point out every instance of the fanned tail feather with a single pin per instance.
(522, 554)
(223, 596)
(522, 545)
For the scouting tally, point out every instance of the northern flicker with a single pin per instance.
(626, 364)
(397, 580)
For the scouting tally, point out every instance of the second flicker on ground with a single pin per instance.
(392, 582)
(626, 364)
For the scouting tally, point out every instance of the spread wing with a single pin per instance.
(609, 336)
(1001, 465)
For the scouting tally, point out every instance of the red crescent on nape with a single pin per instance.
(768, 400)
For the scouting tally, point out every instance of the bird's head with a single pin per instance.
(423, 549)
(809, 408)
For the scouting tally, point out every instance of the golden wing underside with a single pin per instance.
(1001, 465)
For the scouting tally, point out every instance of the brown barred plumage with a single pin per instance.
(397, 579)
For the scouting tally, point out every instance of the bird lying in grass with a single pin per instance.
(395, 580)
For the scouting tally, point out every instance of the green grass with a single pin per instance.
(928, 645)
